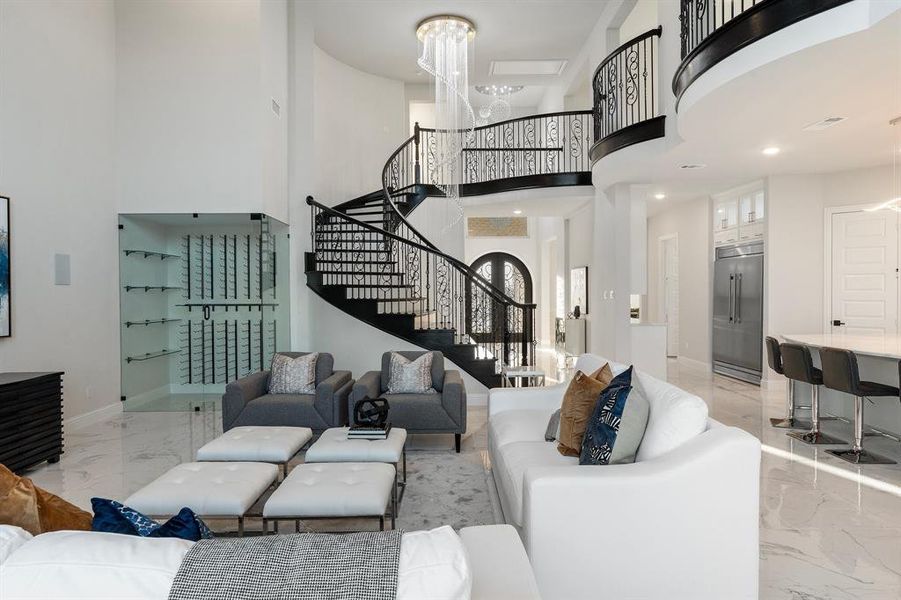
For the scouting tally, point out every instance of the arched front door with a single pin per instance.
(487, 323)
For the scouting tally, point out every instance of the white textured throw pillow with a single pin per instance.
(410, 377)
(293, 375)
(11, 538)
(433, 566)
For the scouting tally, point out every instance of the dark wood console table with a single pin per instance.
(31, 419)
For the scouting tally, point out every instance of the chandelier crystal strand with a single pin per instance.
(444, 54)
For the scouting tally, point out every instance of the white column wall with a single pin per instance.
(57, 117)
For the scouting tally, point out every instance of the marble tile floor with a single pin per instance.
(828, 530)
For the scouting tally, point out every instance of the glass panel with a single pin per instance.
(203, 302)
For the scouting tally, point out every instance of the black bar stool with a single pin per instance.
(774, 358)
(798, 366)
(840, 373)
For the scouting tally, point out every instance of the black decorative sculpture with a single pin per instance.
(371, 412)
(576, 311)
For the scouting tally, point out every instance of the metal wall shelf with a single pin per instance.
(150, 322)
(147, 288)
(151, 355)
(149, 253)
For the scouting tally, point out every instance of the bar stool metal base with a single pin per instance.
(861, 457)
(815, 438)
(790, 423)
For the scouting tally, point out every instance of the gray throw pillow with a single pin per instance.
(293, 375)
(407, 376)
(618, 423)
(553, 427)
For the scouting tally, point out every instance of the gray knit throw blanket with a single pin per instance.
(359, 566)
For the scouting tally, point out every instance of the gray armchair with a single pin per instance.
(247, 401)
(444, 412)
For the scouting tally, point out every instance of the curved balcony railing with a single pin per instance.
(626, 104)
(711, 30)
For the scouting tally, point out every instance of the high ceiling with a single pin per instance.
(380, 37)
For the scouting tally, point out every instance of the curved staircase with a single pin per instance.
(369, 261)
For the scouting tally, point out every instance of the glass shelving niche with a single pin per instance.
(204, 301)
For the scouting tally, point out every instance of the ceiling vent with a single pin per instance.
(527, 67)
(824, 124)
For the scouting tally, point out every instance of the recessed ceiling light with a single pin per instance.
(659, 196)
(517, 212)
(770, 151)
(693, 166)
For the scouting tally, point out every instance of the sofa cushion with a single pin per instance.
(325, 364)
(410, 376)
(511, 462)
(293, 375)
(617, 423)
(11, 539)
(88, 564)
(578, 403)
(517, 426)
(552, 433)
(419, 412)
(288, 410)
(675, 417)
(437, 367)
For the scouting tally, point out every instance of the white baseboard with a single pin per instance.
(93, 417)
(698, 364)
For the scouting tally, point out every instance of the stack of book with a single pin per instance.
(369, 432)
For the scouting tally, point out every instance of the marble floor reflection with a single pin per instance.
(828, 530)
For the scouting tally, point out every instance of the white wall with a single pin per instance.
(642, 18)
(360, 119)
(57, 117)
(190, 135)
(274, 87)
(579, 252)
(690, 221)
(796, 238)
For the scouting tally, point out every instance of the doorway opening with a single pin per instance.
(485, 322)
(668, 247)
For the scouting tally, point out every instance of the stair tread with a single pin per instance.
(371, 286)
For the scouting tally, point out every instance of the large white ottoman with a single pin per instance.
(333, 490)
(334, 447)
(276, 445)
(210, 489)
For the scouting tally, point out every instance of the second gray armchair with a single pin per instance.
(442, 412)
(247, 401)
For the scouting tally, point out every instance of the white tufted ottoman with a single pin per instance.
(210, 489)
(333, 447)
(334, 490)
(257, 444)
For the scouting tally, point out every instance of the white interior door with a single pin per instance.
(864, 272)
(669, 268)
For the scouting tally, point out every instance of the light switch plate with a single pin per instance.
(62, 272)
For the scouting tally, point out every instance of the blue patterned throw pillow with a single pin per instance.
(113, 517)
(617, 424)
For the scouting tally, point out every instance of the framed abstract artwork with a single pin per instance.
(5, 315)
(578, 289)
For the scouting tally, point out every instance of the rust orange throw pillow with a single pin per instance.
(578, 404)
(37, 511)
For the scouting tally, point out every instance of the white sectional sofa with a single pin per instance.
(679, 523)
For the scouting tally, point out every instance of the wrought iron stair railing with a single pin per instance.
(438, 293)
(366, 252)
(626, 96)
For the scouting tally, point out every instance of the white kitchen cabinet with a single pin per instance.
(739, 215)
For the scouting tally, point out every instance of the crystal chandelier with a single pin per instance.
(444, 54)
(499, 108)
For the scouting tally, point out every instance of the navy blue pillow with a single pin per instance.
(600, 434)
(113, 517)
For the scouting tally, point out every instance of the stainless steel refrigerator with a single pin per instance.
(738, 312)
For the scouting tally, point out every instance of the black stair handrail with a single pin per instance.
(481, 281)
(624, 85)
(398, 173)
